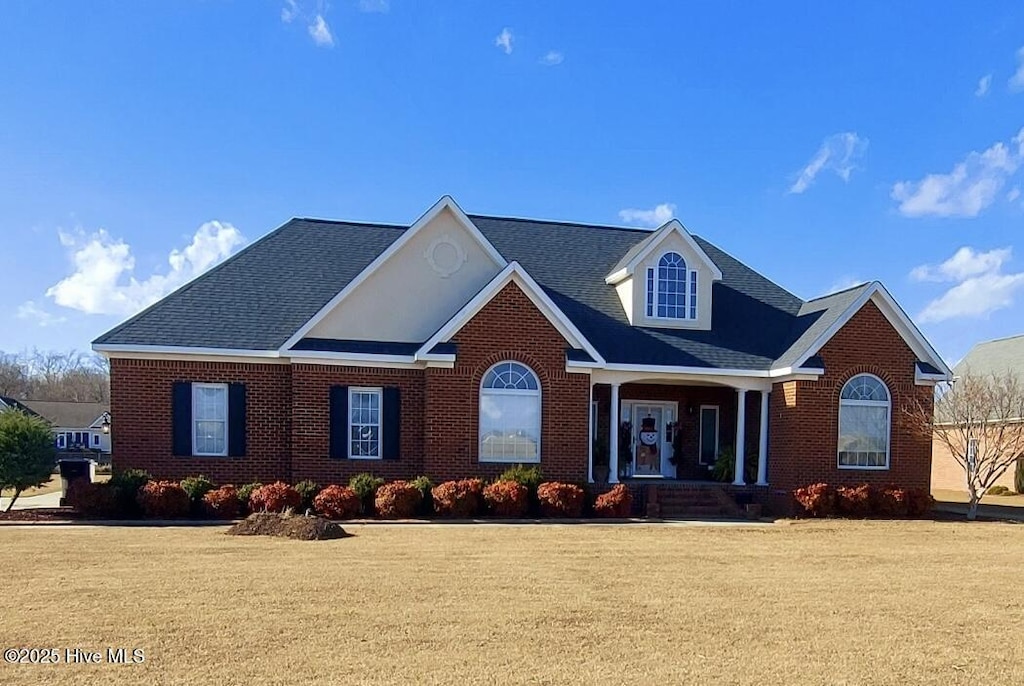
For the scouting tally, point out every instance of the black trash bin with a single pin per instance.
(74, 469)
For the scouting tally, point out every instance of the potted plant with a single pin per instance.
(602, 457)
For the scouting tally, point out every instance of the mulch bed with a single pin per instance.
(49, 514)
(288, 526)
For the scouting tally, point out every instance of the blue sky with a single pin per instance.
(820, 143)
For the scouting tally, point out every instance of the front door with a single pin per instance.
(652, 440)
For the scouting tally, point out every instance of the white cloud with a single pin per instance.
(289, 11)
(380, 6)
(969, 188)
(320, 32)
(1013, 194)
(552, 58)
(504, 40)
(838, 153)
(1016, 82)
(103, 280)
(980, 287)
(984, 83)
(30, 311)
(654, 217)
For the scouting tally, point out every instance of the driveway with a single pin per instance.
(33, 502)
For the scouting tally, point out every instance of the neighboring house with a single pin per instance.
(462, 344)
(990, 357)
(77, 426)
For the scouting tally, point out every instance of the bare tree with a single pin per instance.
(52, 375)
(14, 378)
(980, 420)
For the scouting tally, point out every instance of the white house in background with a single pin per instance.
(77, 427)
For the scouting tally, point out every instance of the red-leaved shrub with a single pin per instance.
(892, 502)
(337, 502)
(93, 499)
(617, 502)
(919, 502)
(560, 500)
(163, 500)
(507, 498)
(855, 501)
(222, 503)
(275, 497)
(818, 500)
(397, 500)
(460, 499)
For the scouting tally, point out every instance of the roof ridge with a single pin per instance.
(377, 225)
(835, 293)
(558, 222)
(1000, 339)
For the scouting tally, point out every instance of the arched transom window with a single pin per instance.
(510, 414)
(672, 289)
(865, 416)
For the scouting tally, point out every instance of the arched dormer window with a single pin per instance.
(865, 415)
(671, 289)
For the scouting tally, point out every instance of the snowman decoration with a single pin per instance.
(647, 452)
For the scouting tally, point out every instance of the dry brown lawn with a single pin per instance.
(802, 603)
(1016, 500)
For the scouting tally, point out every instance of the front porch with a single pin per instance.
(691, 432)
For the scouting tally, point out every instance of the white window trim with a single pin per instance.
(379, 392)
(866, 403)
(61, 441)
(195, 421)
(653, 316)
(509, 391)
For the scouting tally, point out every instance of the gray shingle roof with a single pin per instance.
(257, 299)
(67, 414)
(814, 319)
(994, 357)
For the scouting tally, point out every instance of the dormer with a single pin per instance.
(665, 280)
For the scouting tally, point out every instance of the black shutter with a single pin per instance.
(181, 418)
(236, 420)
(339, 422)
(391, 423)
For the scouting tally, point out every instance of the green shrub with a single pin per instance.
(524, 476)
(998, 490)
(307, 491)
(1018, 475)
(424, 485)
(196, 487)
(127, 485)
(365, 485)
(27, 453)
(245, 493)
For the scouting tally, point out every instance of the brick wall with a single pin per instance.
(288, 409)
(140, 409)
(804, 415)
(509, 327)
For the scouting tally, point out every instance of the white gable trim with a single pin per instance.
(513, 273)
(670, 227)
(888, 306)
(445, 203)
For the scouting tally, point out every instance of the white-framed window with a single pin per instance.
(510, 414)
(61, 441)
(364, 423)
(210, 419)
(865, 415)
(671, 289)
(95, 440)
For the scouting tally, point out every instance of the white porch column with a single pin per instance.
(590, 435)
(613, 437)
(741, 421)
(762, 445)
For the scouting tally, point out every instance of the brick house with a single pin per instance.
(462, 344)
